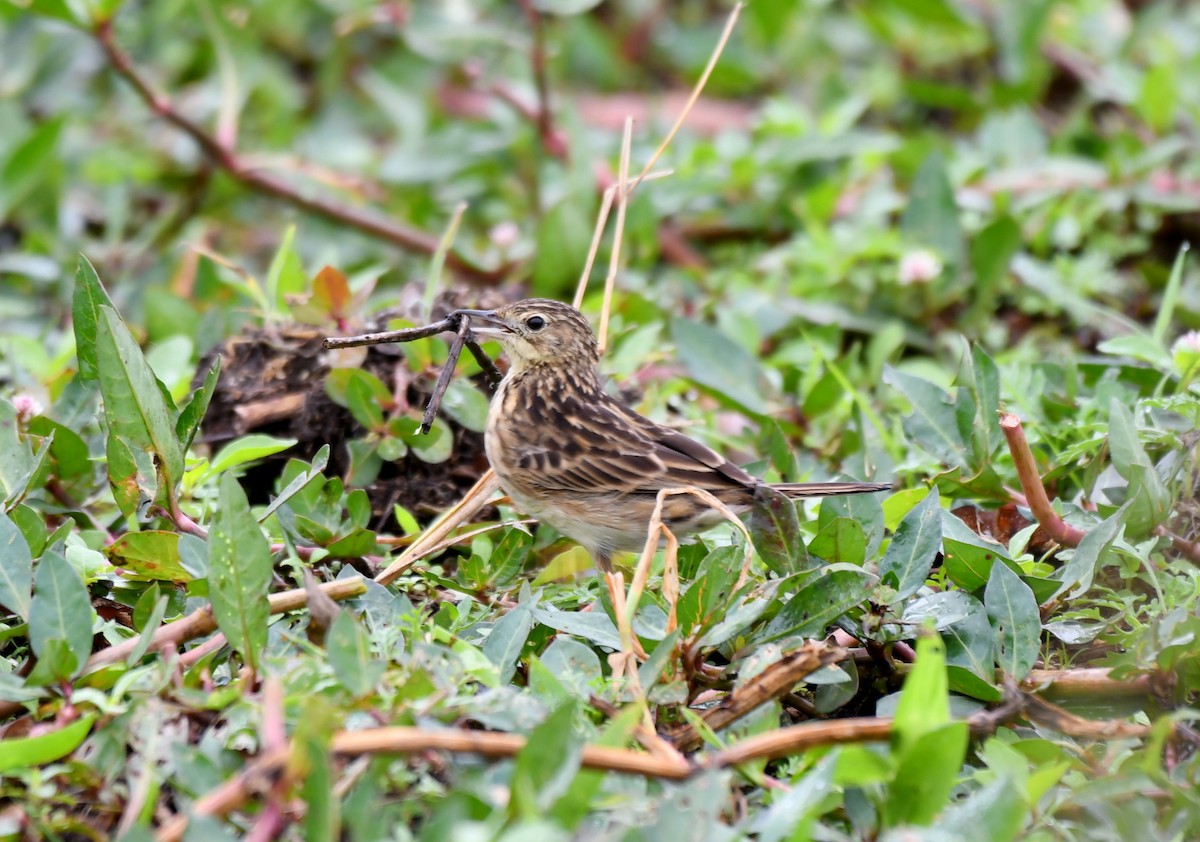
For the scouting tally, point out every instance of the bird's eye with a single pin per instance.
(535, 323)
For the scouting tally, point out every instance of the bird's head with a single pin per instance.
(539, 331)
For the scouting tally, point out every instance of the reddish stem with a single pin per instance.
(1031, 483)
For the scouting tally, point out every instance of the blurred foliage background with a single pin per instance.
(884, 222)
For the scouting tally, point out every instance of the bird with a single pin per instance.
(572, 456)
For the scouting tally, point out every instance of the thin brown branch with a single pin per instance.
(1047, 715)
(226, 158)
(1031, 484)
(407, 334)
(257, 776)
(403, 740)
(1189, 549)
(776, 680)
(201, 621)
(798, 738)
(1091, 682)
(443, 381)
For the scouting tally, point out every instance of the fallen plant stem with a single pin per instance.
(1031, 484)
(236, 166)
(260, 772)
(776, 680)
(1089, 681)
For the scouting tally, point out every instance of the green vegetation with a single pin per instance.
(942, 243)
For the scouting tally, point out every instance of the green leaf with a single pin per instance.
(925, 699)
(1081, 567)
(150, 623)
(1013, 613)
(563, 235)
(992, 251)
(239, 573)
(546, 766)
(509, 556)
(359, 542)
(248, 449)
(865, 510)
(339, 380)
(190, 418)
(968, 556)
(31, 752)
(32, 525)
(706, 599)
(506, 640)
(299, 482)
(150, 554)
(576, 666)
(931, 217)
(125, 477)
(31, 164)
(914, 547)
(926, 775)
(813, 608)
(995, 812)
(89, 297)
(17, 464)
(933, 424)
(286, 274)
(68, 449)
(133, 398)
(364, 404)
(350, 656)
(1123, 441)
(1139, 346)
(16, 568)
(715, 361)
(841, 540)
(593, 626)
(58, 9)
(466, 405)
(60, 610)
(1159, 95)
(775, 528)
(437, 445)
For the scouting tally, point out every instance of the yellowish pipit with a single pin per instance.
(572, 456)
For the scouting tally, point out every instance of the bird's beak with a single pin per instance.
(496, 326)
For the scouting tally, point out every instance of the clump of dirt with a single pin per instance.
(273, 382)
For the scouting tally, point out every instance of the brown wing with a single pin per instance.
(601, 446)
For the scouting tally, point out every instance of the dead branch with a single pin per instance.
(776, 680)
(228, 159)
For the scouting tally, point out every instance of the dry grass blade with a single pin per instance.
(606, 203)
(730, 23)
(614, 256)
(460, 513)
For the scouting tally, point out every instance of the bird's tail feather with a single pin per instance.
(828, 489)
